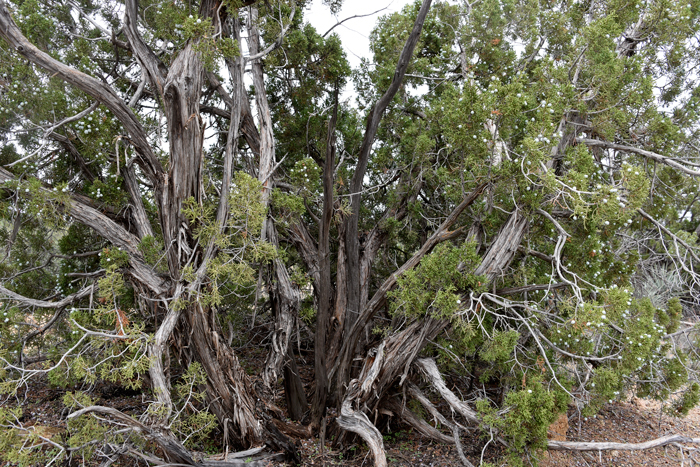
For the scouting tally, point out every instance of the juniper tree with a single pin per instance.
(495, 208)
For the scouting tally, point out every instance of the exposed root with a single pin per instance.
(432, 374)
(417, 423)
(357, 422)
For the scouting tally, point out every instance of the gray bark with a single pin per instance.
(373, 120)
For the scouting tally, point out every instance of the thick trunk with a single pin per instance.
(181, 94)
(325, 292)
(286, 301)
(230, 394)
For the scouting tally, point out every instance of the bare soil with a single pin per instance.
(632, 421)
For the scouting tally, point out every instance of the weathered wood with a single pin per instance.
(432, 374)
(65, 301)
(286, 303)
(155, 69)
(417, 423)
(174, 451)
(357, 422)
(503, 248)
(111, 231)
(267, 139)
(138, 211)
(230, 394)
(181, 94)
(157, 352)
(609, 446)
(669, 161)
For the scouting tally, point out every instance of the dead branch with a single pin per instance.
(417, 423)
(45, 304)
(593, 446)
(669, 161)
(430, 370)
(172, 448)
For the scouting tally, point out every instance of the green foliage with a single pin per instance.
(530, 412)
(689, 399)
(500, 347)
(152, 250)
(501, 91)
(433, 286)
(192, 424)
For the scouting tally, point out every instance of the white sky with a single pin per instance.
(355, 32)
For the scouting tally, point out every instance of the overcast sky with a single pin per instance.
(355, 32)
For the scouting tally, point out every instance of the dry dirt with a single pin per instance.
(630, 422)
(633, 421)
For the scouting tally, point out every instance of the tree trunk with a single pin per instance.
(373, 119)
(325, 293)
(294, 389)
(287, 299)
(181, 94)
(230, 394)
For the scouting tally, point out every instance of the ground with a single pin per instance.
(635, 420)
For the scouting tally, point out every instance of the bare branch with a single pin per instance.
(531, 288)
(278, 41)
(669, 161)
(654, 443)
(358, 423)
(156, 70)
(669, 233)
(349, 18)
(91, 86)
(46, 304)
(432, 374)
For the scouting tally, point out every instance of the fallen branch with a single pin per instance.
(175, 451)
(593, 446)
